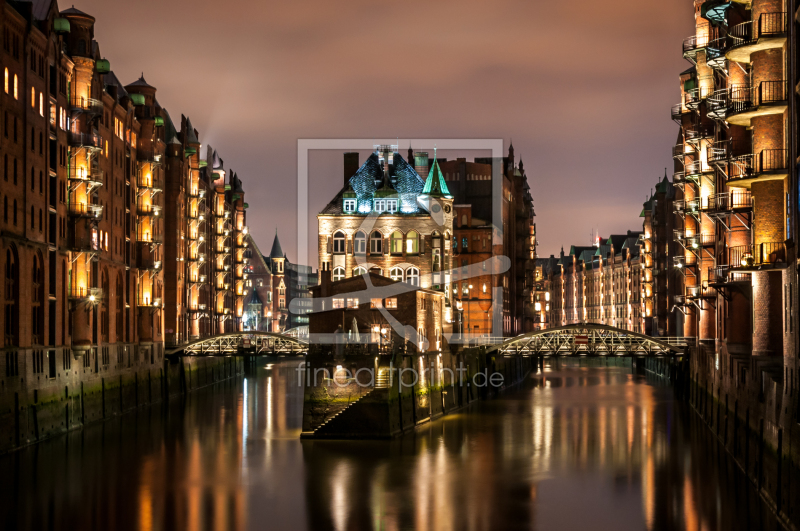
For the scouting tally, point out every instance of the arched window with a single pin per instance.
(360, 270)
(376, 243)
(360, 242)
(412, 276)
(338, 273)
(396, 274)
(397, 242)
(11, 297)
(338, 242)
(412, 242)
(464, 222)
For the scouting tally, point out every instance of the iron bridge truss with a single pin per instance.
(243, 344)
(590, 340)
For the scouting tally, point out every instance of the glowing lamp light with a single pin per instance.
(91, 298)
(679, 266)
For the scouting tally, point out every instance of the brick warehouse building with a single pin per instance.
(600, 284)
(470, 183)
(277, 291)
(736, 202)
(104, 222)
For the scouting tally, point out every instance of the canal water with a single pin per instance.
(571, 448)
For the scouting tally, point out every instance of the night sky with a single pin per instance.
(583, 88)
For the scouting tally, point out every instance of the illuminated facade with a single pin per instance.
(97, 234)
(389, 220)
(601, 284)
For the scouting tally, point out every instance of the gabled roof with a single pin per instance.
(276, 251)
(111, 79)
(191, 136)
(255, 299)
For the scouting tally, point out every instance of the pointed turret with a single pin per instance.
(276, 251)
(435, 186)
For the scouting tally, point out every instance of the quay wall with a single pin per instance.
(41, 399)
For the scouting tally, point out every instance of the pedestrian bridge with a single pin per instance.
(586, 340)
(243, 344)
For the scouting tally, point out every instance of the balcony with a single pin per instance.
(149, 264)
(197, 308)
(150, 239)
(84, 243)
(199, 257)
(148, 184)
(85, 210)
(745, 102)
(678, 111)
(695, 133)
(93, 177)
(148, 210)
(700, 292)
(85, 140)
(721, 275)
(679, 153)
(87, 105)
(197, 279)
(684, 206)
(83, 294)
(768, 32)
(696, 96)
(715, 52)
(768, 165)
(736, 201)
(717, 104)
(762, 255)
(696, 168)
(148, 156)
(148, 302)
(692, 45)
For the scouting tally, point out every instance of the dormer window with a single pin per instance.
(380, 205)
(391, 205)
(349, 205)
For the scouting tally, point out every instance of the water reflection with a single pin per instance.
(588, 448)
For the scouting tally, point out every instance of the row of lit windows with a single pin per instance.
(352, 303)
(410, 275)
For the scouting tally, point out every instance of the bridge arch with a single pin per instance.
(242, 343)
(591, 340)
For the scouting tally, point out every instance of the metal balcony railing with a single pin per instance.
(89, 105)
(748, 256)
(696, 133)
(83, 293)
(88, 140)
(93, 174)
(148, 210)
(724, 275)
(148, 156)
(697, 167)
(683, 205)
(728, 201)
(85, 210)
(148, 301)
(768, 25)
(695, 96)
(694, 43)
(745, 98)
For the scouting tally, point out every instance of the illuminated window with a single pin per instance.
(282, 303)
(397, 242)
(380, 205)
(33, 97)
(396, 274)
(360, 242)
(349, 205)
(352, 304)
(338, 273)
(41, 104)
(6, 80)
(376, 303)
(360, 270)
(391, 205)
(412, 276)
(338, 304)
(16, 91)
(412, 242)
(391, 303)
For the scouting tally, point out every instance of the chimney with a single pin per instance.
(421, 163)
(350, 166)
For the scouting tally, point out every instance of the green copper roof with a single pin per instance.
(435, 184)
